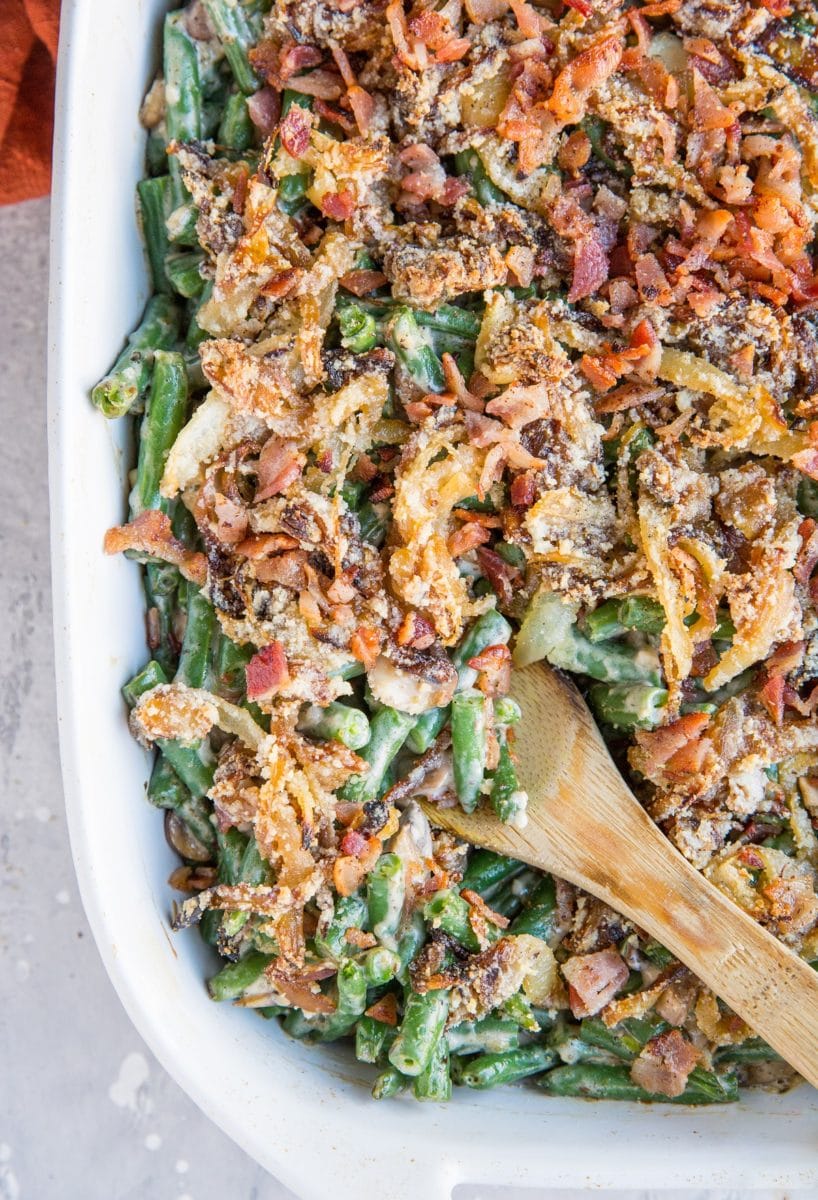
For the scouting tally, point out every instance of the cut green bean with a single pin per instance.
(164, 417)
(492, 1035)
(238, 32)
(350, 1003)
(126, 385)
(468, 746)
(336, 722)
(389, 1083)
(388, 730)
(600, 1082)
(508, 799)
(415, 349)
(359, 330)
(155, 206)
(372, 1040)
(628, 706)
(486, 871)
(539, 917)
(385, 894)
(234, 979)
(450, 912)
(183, 95)
(380, 965)
(434, 1083)
(236, 129)
(183, 269)
(470, 164)
(507, 1066)
(350, 913)
(424, 1017)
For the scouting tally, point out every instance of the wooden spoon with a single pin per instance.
(586, 826)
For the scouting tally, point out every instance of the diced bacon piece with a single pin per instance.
(652, 281)
(587, 71)
(590, 268)
(294, 131)
(338, 206)
(287, 570)
(494, 666)
(806, 461)
(362, 282)
(581, 6)
(324, 84)
(298, 58)
(468, 537)
(523, 491)
(708, 110)
(665, 1063)
(363, 107)
(500, 574)
(384, 1010)
(365, 645)
(267, 672)
(151, 533)
(660, 745)
(771, 696)
(593, 981)
(279, 465)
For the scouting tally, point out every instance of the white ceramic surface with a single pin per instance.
(305, 1114)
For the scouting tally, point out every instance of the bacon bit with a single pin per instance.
(587, 71)
(661, 8)
(771, 696)
(581, 6)
(263, 108)
(523, 491)
(661, 745)
(361, 283)
(453, 51)
(593, 980)
(806, 461)
(652, 281)
(476, 901)
(287, 570)
(779, 8)
(360, 939)
(597, 372)
(689, 759)
(279, 465)
(298, 58)
(281, 284)
(742, 361)
(384, 1010)
(382, 488)
(415, 630)
(664, 1064)
(494, 667)
(457, 385)
(520, 261)
(527, 18)
(331, 112)
(294, 131)
(468, 537)
(788, 657)
(483, 11)
(500, 574)
(338, 206)
(348, 873)
(267, 672)
(151, 533)
(324, 462)
(365, 645)
(453, 190)
(353, 843)
(590, 269)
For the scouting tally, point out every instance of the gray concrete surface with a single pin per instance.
(86, 1112)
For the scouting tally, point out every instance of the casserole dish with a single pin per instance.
(305, 1115)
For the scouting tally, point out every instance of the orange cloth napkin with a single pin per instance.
(28, 53)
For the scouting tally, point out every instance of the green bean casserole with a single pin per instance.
(482, 332)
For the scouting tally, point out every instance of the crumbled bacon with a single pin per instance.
(267, 672)
(294, 131)
(279, 465)
(664, 1064)
(593, 980)
(263, 108)
(500, 574)
(494, 667)
(339, 206)
(361, 282)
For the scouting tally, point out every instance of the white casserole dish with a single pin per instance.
(304, 1114)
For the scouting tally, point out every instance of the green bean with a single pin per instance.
(409, 943)
(380, 965)
(626, 1040)
(155, 205)
(628, 705)
(388, 730)
(506, 710)
(149, 677)
(229, 666)
(350, 1004)
(389, 1083)
(183, 95)
(600, 1082)
(490, 629)
(372, 1040)
(487, 871)
(424, 1017)
(125, 386)
(508, 1066)
(194, 660)
(385, 894)
(434, 1082)
(468, 746)
(657, 953)
(162, 584)
(234, 979)
(165, 788)
(336, 722)
(414, 347)
(359, 330)
(164, 417)
(539, 917)
(254, 870)
(350, 913)
(183, 271)
(492, 1035)
(754, 1050)
(195, 771)
(450, 912)
(373, 520)
(238, 33)
(470, 164)
(549, 631)
(236, 130)
(518, 1009)
(507, 799)
(510, 898)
